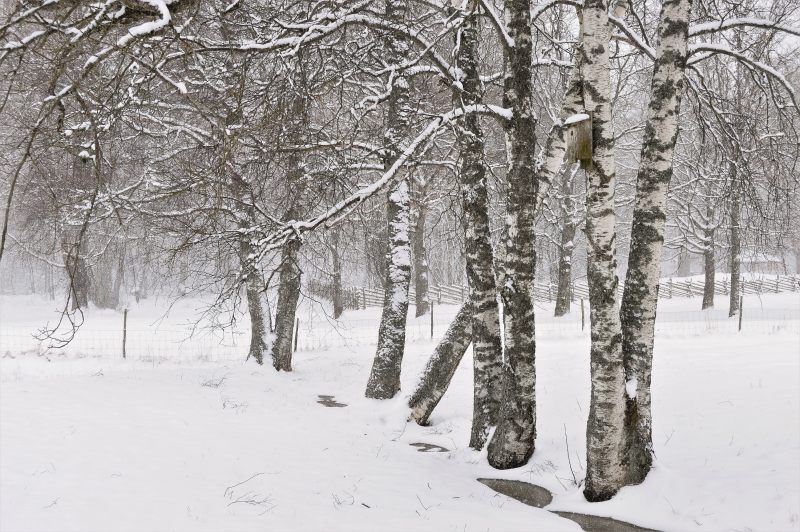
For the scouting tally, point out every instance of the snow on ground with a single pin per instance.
(178, 438)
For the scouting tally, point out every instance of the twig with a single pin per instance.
(569, 460)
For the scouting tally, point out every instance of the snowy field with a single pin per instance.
(184, 436)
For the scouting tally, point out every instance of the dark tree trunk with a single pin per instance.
(513, 441)
(336, 278)
(566, 247)
(258, 329)
(290, 273)
(253, 287)
(384, 379)
(288, 296)
(709, 262)
(78, 276)
(421, 285)
(120, 276)
(289, 279)
(442, 366)
(735, 243)
(564, 293)
(107, 277)
(51, 285)
(684, 263)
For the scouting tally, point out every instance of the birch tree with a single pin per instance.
(513, 441)
(384, 379)
(638, 311)
(486, 344)
(604, 433)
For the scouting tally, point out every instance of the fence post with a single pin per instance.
(296, 332)
(669, 286)
(439, 301)
(431, 320)
(777, 283)
(725, 286)
(583, 320)
(364, 297)
(124, 330)
(741, 301)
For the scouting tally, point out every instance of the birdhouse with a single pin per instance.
(579, 139)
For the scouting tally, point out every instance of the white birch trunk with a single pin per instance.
(486, 344)
(640, 299)
(604, 432)
(442, 366)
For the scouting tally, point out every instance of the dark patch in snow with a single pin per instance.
(595, 523)
(539, 497)
(526, 493)
(330, 401)
(429, 448)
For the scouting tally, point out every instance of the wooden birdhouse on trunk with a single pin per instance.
(579, 139)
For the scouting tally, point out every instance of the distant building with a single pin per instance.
(760, 262)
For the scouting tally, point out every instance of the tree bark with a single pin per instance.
(290, 273)
(384, 379)
(735, 243)
(709, 263)
(288, 296)
(107, 278)
(119, 277)
(421, 285)
(567, 246)
(513, 441)
(336, 279)
(684, 263)
(640, 300)
(442, 366)
(604, 432)
(259, 334)
(486, 342)
(78, 276)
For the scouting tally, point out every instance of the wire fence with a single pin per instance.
(155, 344)
(361, 298)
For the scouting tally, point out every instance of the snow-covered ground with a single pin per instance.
(183, 436)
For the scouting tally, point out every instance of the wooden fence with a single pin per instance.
(359, 297)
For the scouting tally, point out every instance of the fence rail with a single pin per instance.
(360, 297)
(358, 330)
